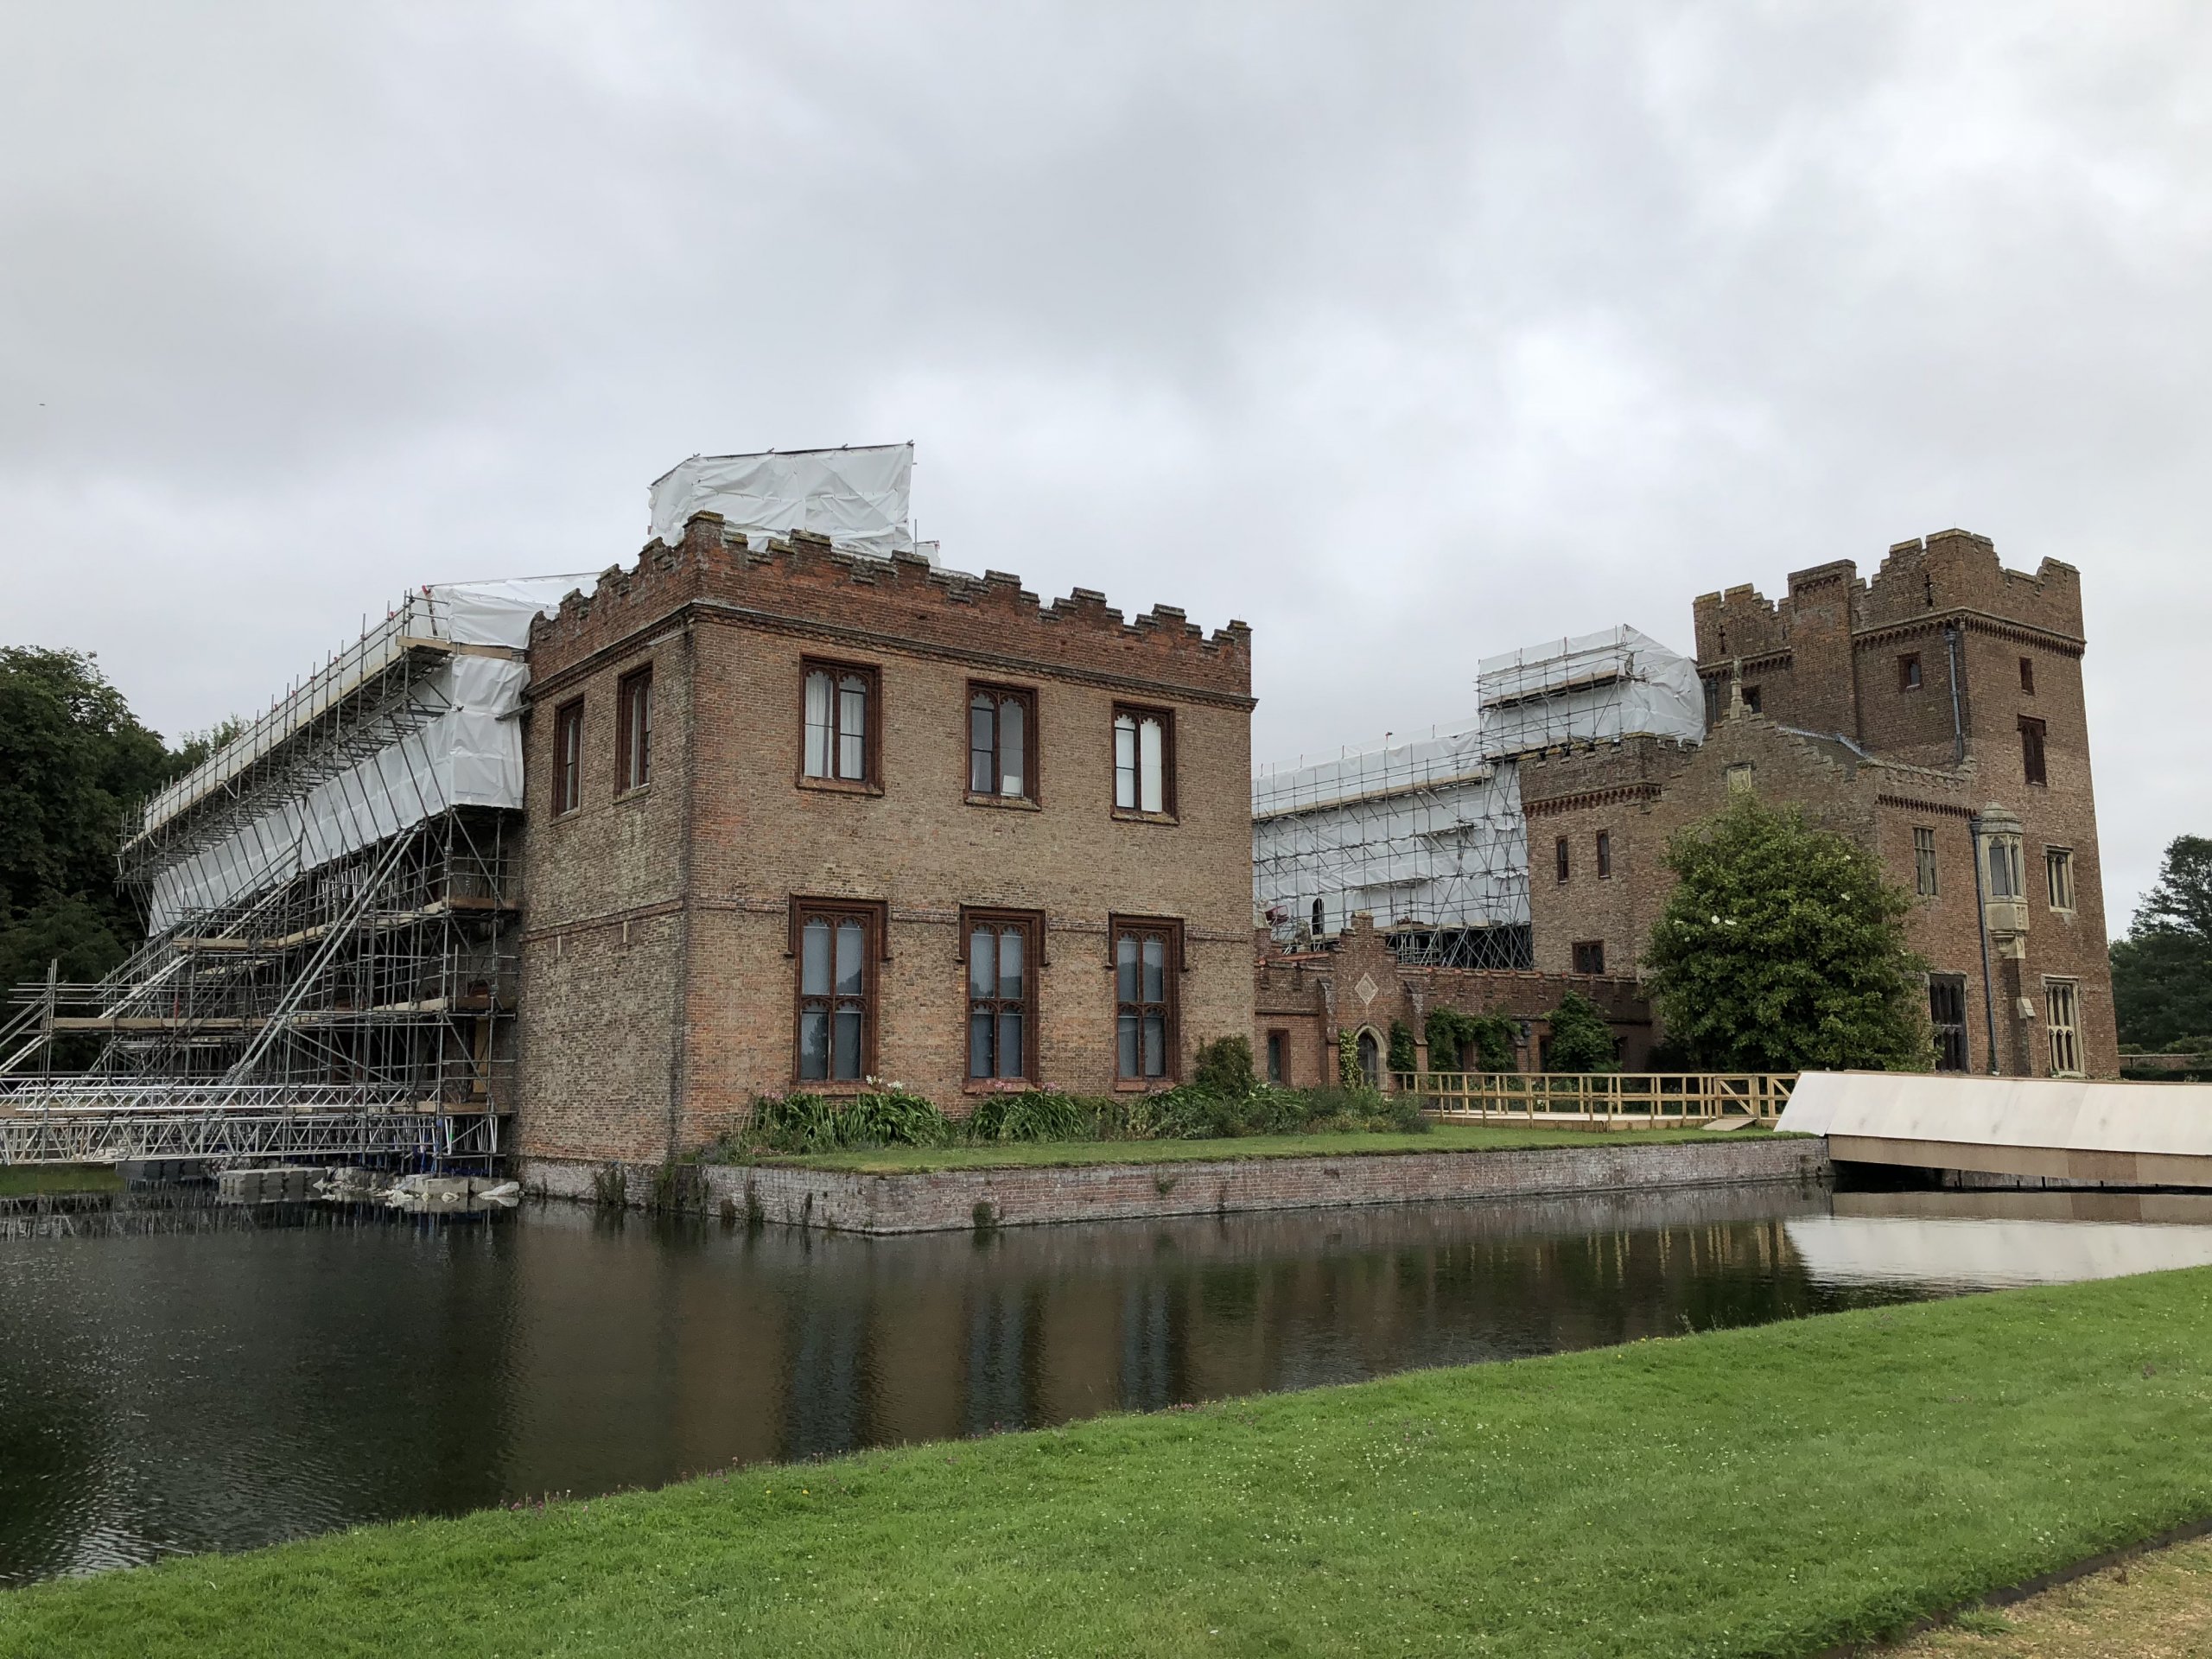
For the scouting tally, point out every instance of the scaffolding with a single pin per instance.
(332, 903)
(1429, 836)
(332, 900)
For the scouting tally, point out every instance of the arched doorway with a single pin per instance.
(1370, 1057)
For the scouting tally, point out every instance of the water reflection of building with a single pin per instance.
(724, 1348)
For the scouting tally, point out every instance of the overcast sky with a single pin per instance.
(1404, 333)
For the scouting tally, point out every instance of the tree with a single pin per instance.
(73, 757)
(2161, 971)
(1782, 949)
(1582, 1040)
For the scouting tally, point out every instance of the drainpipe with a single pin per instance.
(1958, 715)
(1981, 932)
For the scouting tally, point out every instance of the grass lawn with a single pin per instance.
(1008, 1154)
(2158, 1604)
(1764, 1491)
(22, 1180)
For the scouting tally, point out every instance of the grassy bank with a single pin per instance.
(2156, 1604)
(1766, 1491)
(1010, 1154)
(24, 1180)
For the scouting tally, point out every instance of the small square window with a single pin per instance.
(568, 756)
(1751, 698)
(1605, 855)
(633, 731)
(1001, 742)
(1589, 955)
(1909, 671)
(841, 718)
(2027, 675)
(1144, 760)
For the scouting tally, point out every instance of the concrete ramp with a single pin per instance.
(2057, 1128)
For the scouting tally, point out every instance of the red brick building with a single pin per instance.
(803, 819)
(1933, 715)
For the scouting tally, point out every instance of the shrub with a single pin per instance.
(808, 1122)
(1582, 1040)
(1036, 1115)
(892, 1118)
(1469, 1042)
(1348, 1072)
(1403, 1058)
(1403, 1113)
(1225, 1067)
(794, 1122)
(1188, 1112)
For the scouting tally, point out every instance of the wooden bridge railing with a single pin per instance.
(1616, 1099)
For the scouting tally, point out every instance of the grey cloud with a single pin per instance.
(1405, 333)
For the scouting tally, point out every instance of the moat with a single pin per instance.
(177, 1377)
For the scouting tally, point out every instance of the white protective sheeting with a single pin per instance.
(2052, 1113)
(1431, 832)
(465, 751)
(1589, 688)
(857, 498)
(1426, 832)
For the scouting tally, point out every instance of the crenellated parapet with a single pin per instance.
(802, 584)
(1956, 571)
(1740, 622)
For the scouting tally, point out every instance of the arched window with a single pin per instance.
(1370, 1060)
(1320, 923)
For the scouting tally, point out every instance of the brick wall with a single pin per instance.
(946, 1200)
(659, 981)
(1360, 984)
(1928, 755)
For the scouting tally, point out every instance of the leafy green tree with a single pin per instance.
(2161, 971)
(1782, 949)
(1582, 1040)
(72, 759)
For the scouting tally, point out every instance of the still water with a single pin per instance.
(179, 1377)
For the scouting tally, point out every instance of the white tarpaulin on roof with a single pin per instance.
(466, 751)
(1589, 689)
(857, 498)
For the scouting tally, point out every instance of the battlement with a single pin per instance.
(801, 583)
(1949, 570)
(1956, 569)
(1739, 622)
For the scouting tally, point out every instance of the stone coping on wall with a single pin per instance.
(946, 1200)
